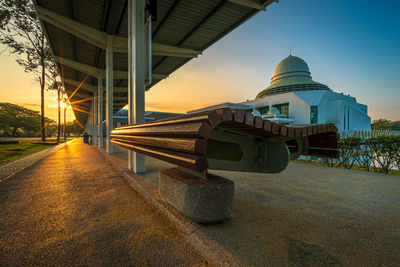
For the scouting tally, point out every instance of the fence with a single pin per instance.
(368, 134)
(378, 154)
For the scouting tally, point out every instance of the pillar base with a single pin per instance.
(200, 200)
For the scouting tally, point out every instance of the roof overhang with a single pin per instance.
(77, 32)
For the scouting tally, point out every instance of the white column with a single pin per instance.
(136, 72)
(86, 126)
(95, 114)
(91, 121)
(109, 93)
(100, 92)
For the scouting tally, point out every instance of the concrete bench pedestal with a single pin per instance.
(200, 200)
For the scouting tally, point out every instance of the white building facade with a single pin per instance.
(293, 93)
(294, 98)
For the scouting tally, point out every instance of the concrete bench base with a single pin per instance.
(200, 200)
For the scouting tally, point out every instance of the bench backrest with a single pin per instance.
(227, 139)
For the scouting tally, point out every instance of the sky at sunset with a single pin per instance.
(351, 46)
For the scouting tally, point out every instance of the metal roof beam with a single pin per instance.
(121, 74)
(85, 96)
(99, 38)
(86, 86)
(252, 4)
(82, 103)
(79, 94)
(92, 87)
(173, 51)
(94, 72)
(81, 67)
(85, 32)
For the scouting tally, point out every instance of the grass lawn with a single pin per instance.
(24, 147)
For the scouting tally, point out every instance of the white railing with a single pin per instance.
(367, 134)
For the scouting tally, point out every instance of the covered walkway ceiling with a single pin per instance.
(77, 31)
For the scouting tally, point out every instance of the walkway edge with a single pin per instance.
(208, 248)
(46, 152)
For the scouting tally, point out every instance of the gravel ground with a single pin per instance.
(68, 211)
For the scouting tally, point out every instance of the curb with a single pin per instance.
(212, 252)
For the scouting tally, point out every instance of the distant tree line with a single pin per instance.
(385, 125)
(18, 121)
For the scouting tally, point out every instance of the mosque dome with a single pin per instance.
(291, 74)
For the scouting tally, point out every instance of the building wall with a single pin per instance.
(336, 114)
(342, 110)
(358, 120)
(298, 109)
(345, 112)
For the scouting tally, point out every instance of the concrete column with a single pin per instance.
(87, 125)
(100, 92)
(109, 93)
(91, 121)
(136, 75)
(95, 114)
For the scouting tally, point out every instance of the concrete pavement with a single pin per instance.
(307, 216)
(72, 208)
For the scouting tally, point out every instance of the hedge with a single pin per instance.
(379, 154)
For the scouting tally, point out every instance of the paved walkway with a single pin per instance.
(73, 208)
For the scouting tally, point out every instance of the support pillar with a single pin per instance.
(136, 74)
(109, 94)
(91, 121)
(100, 92)
(95, 114)
(86, 126)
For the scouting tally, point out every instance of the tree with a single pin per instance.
(386, 125)
(396, 126)
(381, 124)
(56, 84)
(74, 128)
(21, 32)
(17, 120)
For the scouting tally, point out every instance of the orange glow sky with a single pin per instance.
(191, 87)
(20, 88)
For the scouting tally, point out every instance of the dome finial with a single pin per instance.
(290, 52)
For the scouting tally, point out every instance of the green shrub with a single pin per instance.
(380, 154)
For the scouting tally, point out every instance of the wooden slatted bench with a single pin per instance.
(212, 139)
(222, 139)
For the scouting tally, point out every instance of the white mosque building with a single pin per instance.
(294, 98)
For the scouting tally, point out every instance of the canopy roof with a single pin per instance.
(76, 30)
